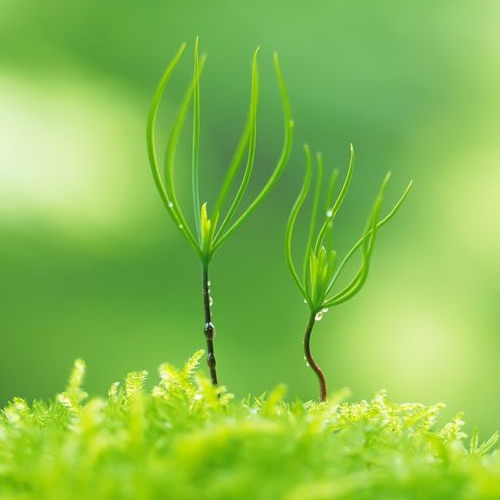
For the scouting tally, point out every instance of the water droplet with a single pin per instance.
(211, 301)
(170, 204)
(211, 360)
(307, 364)
(305, 301)
(329, 213)
(319, 316)
(209, 283)
(180, 226)
(197, 397)
(324, 310)
(209, 330)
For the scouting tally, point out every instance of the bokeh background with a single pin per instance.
(91, 266)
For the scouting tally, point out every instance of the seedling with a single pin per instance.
(211, 230)
(320, 269)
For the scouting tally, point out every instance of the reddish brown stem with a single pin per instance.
(310, 360)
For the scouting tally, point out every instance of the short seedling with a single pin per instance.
(212, 231)
(320, 271)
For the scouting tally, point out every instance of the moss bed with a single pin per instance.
(186, 440)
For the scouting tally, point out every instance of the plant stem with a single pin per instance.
(310, 359)
(209, 329)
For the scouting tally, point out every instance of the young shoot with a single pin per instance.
(212, 228)
(321, 268)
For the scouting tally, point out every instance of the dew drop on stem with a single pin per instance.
(209, 330)
(319, 316)
(329, 213)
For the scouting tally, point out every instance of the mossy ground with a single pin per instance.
(185, 440)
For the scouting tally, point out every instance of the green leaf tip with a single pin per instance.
(134, 382)
(207, 227)
(73, 396)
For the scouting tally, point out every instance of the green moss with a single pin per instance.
(185, 439)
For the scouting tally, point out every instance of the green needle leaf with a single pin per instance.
(331, 188)
(381, 223)
(293, 218)
(170, 160)
(251, 146)
(314, 213)
(367, 249)
(285, 153)
(233, 167)
(196, 139)
(331, 213)
(150, 132)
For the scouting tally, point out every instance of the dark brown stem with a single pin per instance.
(209, 326)
(310, 359)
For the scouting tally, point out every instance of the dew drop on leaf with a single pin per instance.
(329, 213)
(324, 310)
(211, 301)
(170, 204)
(319, 316)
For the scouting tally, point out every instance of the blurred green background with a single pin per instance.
(91, 266)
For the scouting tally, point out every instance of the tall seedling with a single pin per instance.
(212, 229)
